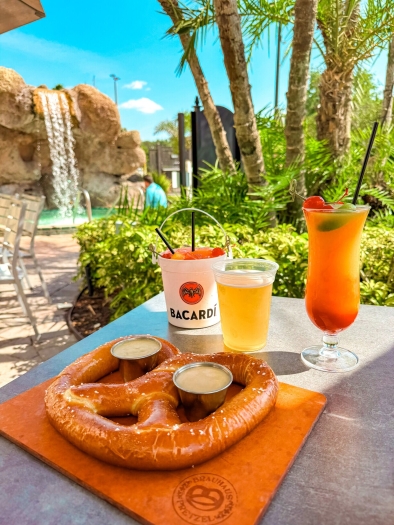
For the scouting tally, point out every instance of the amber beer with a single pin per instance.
(244, 292)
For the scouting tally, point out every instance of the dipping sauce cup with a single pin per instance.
(202, 388)
(137, 354)
(244, 291)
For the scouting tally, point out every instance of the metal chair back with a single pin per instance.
(35, 205)
(10, 273)
(4, 205)
(13, 231)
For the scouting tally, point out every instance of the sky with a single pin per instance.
(85, 41)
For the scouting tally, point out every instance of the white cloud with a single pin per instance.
(144, 105)
(136, 84)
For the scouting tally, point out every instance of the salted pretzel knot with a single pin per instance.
(159, 440)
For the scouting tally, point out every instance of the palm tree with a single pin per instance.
(304, 24)
(223, 152)
(387, 110)
(171, 128)
(256, 17)
(351, 30)
(229, 23)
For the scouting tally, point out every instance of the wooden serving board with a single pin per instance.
(235, 487)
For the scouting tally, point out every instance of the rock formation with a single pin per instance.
(106, 155)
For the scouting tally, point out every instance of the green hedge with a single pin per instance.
(121, 263)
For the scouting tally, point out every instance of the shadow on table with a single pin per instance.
(353, 440)
(284, 363)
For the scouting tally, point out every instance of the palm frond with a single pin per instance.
(194, 20)
(351, 30)
(258, 15)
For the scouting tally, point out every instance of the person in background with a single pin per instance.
(154, 195)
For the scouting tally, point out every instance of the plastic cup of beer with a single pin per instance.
(244, 291)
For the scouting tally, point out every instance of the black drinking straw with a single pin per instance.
(193, 233)
(164, 240)
(366, 159)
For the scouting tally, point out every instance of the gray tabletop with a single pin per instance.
(344, 473)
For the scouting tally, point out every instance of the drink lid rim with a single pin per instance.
(359, 207)
(252, 273)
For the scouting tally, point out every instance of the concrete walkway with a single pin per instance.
(57, 255)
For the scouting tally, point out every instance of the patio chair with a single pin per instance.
(10, 273)
(4, 205)
(34, 208)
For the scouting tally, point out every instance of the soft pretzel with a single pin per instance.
(159, 440)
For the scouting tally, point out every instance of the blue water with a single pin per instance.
(53, 218)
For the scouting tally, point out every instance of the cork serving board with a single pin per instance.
(235, 487)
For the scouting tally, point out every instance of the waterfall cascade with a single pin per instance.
(61, 146)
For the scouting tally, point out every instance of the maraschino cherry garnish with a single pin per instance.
(316, 203)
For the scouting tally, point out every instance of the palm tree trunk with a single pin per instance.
(335, 110)
(229, 24)
(387, 110)
(334, 115)
(218, 132)
(304, 23)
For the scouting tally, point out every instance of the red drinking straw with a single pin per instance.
(366, 159)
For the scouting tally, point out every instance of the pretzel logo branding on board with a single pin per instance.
(204, 498)
(191, 292)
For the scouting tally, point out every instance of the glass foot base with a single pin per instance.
(341, 360)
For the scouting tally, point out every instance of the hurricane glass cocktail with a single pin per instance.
(333, 282)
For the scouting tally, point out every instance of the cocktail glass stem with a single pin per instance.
(329, 349)
(329, 357)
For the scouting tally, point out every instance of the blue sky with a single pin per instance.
(79, 40)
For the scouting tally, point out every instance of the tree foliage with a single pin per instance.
(170, 127)
(351, 30)
(367, 102)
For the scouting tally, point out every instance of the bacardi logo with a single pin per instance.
(191, 292)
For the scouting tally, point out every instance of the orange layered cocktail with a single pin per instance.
(333, 284)
(333, 281)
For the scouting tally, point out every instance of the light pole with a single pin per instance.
(277, 70)
(115, 88)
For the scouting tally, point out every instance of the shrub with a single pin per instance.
(377, 266)
(121, 264)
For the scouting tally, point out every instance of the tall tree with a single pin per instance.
(256, 15)
(351, 31)
(229, 24)
(170, 127)
(387, 110)
(304, 24)
(219, 137)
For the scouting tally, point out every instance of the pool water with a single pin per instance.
(53, 218)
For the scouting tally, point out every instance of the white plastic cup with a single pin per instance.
(190, 292)
(245, 289)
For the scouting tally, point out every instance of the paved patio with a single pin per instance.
(57, 255)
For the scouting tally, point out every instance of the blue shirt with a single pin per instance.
(155, 196)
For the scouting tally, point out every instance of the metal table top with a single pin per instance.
(343, 474)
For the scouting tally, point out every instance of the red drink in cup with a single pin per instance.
(189, 285)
